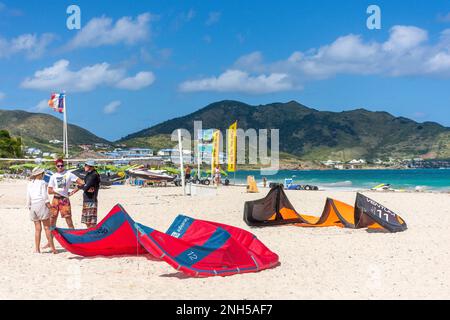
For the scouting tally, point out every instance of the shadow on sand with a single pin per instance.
(147, 256)
(180, 275)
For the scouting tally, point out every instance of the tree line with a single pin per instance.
(10, 147)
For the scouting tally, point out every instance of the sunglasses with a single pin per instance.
(60, 166)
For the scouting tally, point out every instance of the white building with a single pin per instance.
(33, 151)
(130, 153)
(355, 161)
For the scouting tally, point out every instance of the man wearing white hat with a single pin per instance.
(90, 201)
(38, 203)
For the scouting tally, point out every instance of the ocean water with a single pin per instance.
(407, 179)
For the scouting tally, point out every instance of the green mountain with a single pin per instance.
(37, 129)
(314, 135)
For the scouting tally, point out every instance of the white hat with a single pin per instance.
(90, 163)
(36, 171)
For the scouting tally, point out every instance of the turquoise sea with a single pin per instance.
(410, 179)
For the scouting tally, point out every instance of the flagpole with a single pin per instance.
(212, 160)
(235, 155)
(66, 136)
(180, 150)
(64, 133)
(199, 159)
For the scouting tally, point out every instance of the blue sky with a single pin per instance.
(134, 64)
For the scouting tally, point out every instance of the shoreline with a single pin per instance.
(242, 184)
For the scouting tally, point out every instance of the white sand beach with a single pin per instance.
(316, 263)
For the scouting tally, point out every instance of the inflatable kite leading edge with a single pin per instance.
(204, 248)
(276, 209)
(195, 247)
(114, 235)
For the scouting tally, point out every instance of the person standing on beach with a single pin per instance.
(217, 176)
(39, 204)
(59, 185)
(90, 187)
(187, 173)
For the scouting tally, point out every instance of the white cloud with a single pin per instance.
(239, 81)
(60, 77)
(439, 61)
(213, 17)
(111, 107)
(251, 62)
(403, 38)
(407, 51)
(102, 31)
(32, 45)
(42, 106)
(139, 81)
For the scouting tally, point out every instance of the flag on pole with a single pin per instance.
(56, 102)
(232, 147)
(215, 150)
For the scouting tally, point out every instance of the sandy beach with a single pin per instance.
(316, 263)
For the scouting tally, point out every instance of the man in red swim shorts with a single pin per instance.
(59, 185)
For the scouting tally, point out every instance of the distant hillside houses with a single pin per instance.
(130, 153)
(352, 164)
(428, 164)
(415, 163)
(33, 152)
(103, 146)
(173, 155)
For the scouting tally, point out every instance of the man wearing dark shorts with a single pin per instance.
(90, 188)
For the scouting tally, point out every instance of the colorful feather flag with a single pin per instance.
(215, 150)
(57, 102)
(232, 147)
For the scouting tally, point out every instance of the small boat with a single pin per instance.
(386, 187)
(153, 175)
(382, 187)
(106, 179)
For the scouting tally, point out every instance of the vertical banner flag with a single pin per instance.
(56, 102)
(232, 146)
(215, 150)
